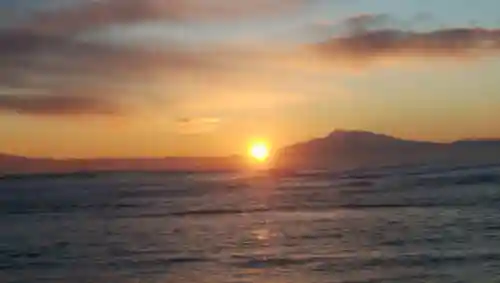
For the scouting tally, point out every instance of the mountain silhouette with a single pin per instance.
(341, 149)
(349, 149)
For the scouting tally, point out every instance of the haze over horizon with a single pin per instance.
(338, 151)
(130, 78)
(347, 132)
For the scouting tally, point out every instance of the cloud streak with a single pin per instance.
(63, 67)
(443, 43)
(192, 126)
(92, 14)
(77, 77)
(370, 36)
(87, 78)
(55, 105)
(19, 46)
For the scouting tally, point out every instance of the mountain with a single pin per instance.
(343, 149)
(8, 162)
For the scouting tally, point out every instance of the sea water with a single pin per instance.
(418, 224)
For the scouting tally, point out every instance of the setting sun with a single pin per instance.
(259, 151)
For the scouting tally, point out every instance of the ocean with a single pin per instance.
(392, 224)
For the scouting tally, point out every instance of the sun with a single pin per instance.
(259, 151)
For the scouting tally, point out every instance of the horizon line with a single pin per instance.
(235, 155)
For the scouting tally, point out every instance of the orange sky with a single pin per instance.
(205, 83)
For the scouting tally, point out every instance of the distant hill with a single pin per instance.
(343, 149)
(16, 164)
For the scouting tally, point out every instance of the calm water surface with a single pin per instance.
(388, 225)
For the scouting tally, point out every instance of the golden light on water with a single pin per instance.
(259, 151)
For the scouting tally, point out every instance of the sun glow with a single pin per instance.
(259, 151)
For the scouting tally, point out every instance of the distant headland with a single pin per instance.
(339, 149)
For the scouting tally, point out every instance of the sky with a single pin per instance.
(130, 78)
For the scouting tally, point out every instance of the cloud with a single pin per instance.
(371, 36)
(363, 22)
(86, 73)
(91, 14)
(31, 49)
(191, 126)
(50, 105)
(393, 42)
(89, 78)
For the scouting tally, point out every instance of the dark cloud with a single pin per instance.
(368, 36)
(74, 73)
(56, 105)
(30, 48)
(77, 77)
(92, 14)
(392, 42)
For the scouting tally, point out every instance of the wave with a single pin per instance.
(460, 180)
(306, 209)
(18, 208)
(164, 262)
(432, 259)
(266, 261)
(359, 184)
(367, 259)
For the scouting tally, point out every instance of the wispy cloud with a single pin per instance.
(77, 76)
(91, 14)
(192, 126)
(392, 43)
(363, 22)
(17, 46)
(371, 36)
(50, 105)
